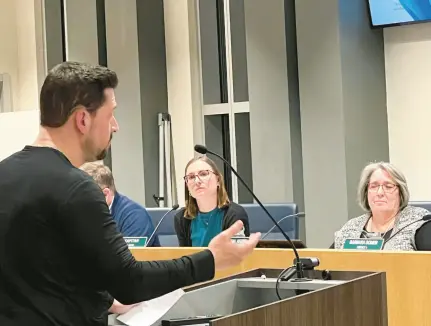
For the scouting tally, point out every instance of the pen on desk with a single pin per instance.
(239, 238)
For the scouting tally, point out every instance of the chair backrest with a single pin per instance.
(166, 232)
(421, 204)
(258, 220)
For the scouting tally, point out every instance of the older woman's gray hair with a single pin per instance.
(397, 176)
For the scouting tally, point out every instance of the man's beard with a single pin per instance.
(102, 154)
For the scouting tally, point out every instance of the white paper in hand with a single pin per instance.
(147, 313)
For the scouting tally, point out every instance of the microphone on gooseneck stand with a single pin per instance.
(174, 208)
(299, 265)
(423, 219)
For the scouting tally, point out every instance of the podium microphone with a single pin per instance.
(424, 218)
(174, 208)
(299, 267)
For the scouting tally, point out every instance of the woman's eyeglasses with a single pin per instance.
(387, 187)
(203, 175)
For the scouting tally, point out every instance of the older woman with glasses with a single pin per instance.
(208, 210)
(384, 196)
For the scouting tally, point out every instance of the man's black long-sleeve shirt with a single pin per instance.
(60, 251)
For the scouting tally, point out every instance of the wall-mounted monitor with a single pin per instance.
(385, 13)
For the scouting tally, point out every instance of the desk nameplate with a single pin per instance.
(136, 242)
(364, 244)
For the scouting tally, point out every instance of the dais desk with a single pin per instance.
(408, 274)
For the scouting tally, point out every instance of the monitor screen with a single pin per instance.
(398, 12)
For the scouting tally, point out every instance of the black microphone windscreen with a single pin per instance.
(427, 217)
(201, 149)
(175, 207)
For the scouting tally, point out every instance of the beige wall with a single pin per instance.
(183, 81)
(8, 45)
(122, 50)
(22, 55)
(408, 84)
(19, 128)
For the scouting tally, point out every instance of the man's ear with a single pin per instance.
(82, 119)
(106, 191)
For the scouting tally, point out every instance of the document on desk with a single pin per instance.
(148, 313)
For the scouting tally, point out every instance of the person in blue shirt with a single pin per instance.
(132, 219)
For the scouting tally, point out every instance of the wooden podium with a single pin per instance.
(249, 299)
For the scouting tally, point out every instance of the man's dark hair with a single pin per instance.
(70, 85)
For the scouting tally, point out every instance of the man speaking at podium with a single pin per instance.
(60, 251)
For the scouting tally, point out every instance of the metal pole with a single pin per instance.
(167, 124)
(161, 160)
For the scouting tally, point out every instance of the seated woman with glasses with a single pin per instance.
(208, 210)
(384, 196)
